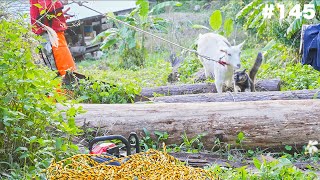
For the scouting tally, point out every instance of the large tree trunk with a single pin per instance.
(241, 96)
(262, 85)
(266, 124)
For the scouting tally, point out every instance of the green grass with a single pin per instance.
(154, 74)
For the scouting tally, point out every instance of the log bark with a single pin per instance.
(200, 76)
(262, 85)
(204, 159)
(240, 96)
(266, 124)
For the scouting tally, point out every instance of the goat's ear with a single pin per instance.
(244, 70)
(241, 45)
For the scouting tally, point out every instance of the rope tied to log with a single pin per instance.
(147, 165)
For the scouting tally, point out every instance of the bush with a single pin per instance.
(280, 42)
(32, 130)
(293, 76)
(93, 91)
(188, 68)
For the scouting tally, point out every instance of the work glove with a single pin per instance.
(66, 15)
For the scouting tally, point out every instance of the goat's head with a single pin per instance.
(233, 55)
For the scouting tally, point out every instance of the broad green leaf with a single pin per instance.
(146, 148)
(133, 12)
(64, 147)
(33, 139)
(131, 42)
(285, 161)
(83, 98)
(24, 155)
(241, 136)
(251, 152)
(109, 43)
(228, 27)
(21, 149)
(216, 20)
(158, 133)
(288, 148)
(146, 132)
(165, 135)
(59, 143)
(143, 7)
(256, 163)
(75, 147)
(72, 112)
(104, 34)
(279, 164)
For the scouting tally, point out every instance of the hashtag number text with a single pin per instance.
(308, 11)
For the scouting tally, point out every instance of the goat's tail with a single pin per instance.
(255, 67)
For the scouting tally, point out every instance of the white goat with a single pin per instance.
(217, 47)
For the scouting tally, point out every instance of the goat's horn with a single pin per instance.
(227, 43)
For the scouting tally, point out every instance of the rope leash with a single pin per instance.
(223, 63)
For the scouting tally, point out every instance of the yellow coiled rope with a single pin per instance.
(146, 165)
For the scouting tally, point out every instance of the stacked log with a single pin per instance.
(266, 124)
(241, 96)
(262, 85)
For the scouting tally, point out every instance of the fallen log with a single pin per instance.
(262, 85)
(266, 124)
(204, 159)
(240, 96)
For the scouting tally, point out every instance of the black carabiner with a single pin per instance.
(134, 138)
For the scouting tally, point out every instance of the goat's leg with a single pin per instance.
(208, 70)
(229, 84)
(219, 86)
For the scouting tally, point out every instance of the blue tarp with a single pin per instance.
(311, 48)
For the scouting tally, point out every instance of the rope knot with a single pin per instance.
(223, 63)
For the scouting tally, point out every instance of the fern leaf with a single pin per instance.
(247, 9)
(294, 27)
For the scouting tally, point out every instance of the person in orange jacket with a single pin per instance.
(51, 14)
